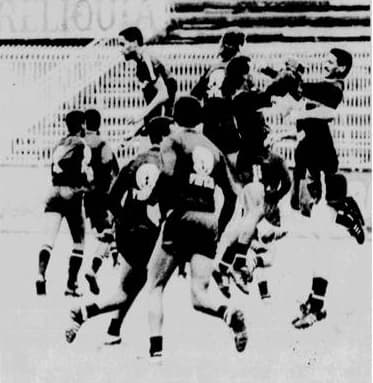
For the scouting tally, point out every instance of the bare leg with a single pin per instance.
(201, 269)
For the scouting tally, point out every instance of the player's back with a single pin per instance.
(136, 187)
(104, 163)
(196, 167)
(70, 158)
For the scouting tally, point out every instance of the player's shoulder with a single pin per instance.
(72, 141)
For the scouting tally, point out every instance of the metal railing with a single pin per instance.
(103, 81)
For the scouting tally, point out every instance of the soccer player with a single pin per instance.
(71, 175)
(135, 200)
(321, 223)
(316, 151)
(219, 125)
(195, 170)
(158, 86)
(105, 167)
(247, 102)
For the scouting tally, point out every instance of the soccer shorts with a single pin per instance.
(136, 244)
(191, 232)
(68, 202)
(96, 211)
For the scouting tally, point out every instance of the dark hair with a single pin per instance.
(234, 73)
(233, 37)
(74, 121)
(133, 34)
(188, 111)
(157, 128)
(344, 58)
(93, 119)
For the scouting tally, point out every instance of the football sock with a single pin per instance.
(96, 264)
(156, 345)
(263, 289)
(44, 257)
(92, 310)
(319, 286)
(75, 263)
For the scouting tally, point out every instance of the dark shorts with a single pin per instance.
(68, 202)
(316, 158)
(96, 211)
(136, 244)
(189, 233)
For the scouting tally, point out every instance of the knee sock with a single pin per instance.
(44, 256)
(75, 262)
(319, 286)
(156, 345)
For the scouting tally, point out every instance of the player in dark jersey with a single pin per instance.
(71, 176)
(195, 169)
(105, 167)
(136, 202)
(316, 152)
(219, 125)
(158, 86)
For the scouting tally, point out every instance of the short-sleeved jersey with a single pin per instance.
(135, 196)
(104, 162)
(250, 120)
(196, 167)
(71, 162)
(327, 93)
(209, 85)
(218, 122)
(149, 70)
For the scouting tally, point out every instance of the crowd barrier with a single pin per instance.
(115, 92)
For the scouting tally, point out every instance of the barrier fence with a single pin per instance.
(79, 78)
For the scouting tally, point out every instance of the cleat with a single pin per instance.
(308, 319)
(354, 210)
(258, 247)
(223, 282)
(76, 322)
(73, 292)
(242, 278)
(41, 288)
(92, 282)
(275, 235)
(357, 232)
(266, 297)
(236, 321)
(112, 340)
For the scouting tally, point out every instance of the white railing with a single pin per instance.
(115, 92)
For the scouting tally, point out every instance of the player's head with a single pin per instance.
(231, 43)
(188, 112)
(158, 128)
(338, 63)
(237, 76)
(93, 120)
(75, 122)
(131, 40)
